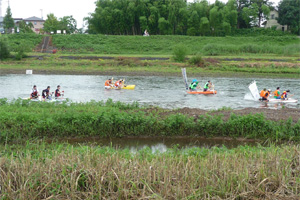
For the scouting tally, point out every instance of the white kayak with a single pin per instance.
(289, 100)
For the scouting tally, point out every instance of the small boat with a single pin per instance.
(128, 87)
(125, 87)
(202, 92)
(289, 100)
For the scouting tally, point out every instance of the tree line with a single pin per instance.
(164, 17)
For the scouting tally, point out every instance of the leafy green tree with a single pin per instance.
(193, 24)
(8, 21)
(215, 19)
(249, 14)
(164, 26)
(4, 48)
(25, 28)
(51, 24)
(257, 11)
(67, 23)
(289, 14)
(143, 23)
(204, 26)
(241, 22)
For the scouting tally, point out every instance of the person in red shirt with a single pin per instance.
(58, 93)
(34, 93)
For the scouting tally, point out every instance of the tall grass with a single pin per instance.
(25, 119)
(61, 171)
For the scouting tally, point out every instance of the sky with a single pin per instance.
(77, 8)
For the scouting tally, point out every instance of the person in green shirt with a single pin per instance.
(193, 85)
(277, 93)
(207, 86)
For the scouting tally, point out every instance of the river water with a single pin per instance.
(159, 144)
(166, 92)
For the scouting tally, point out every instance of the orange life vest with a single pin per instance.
(262, 93)
(276, 93)
(107, 83)
(118, 83)
(267, 94)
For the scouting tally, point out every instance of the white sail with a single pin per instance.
(185, 78)
(254, 91)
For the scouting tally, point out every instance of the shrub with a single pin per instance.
(197, 60)
(21, 49)
(179, 53)
(4, 49)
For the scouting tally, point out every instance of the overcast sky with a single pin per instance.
(78, 8)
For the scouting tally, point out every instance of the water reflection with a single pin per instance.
(159, 144)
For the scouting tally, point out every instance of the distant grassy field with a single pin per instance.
(163, 45)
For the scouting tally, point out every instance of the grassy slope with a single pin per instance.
(163, 45)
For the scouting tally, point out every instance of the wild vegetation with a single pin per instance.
(62, 171)
(22, 119)
(164, 45)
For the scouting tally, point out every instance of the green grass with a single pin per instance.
(23, 119)
(127, 66)
(163, 45)
(62, 171)
(28, 40)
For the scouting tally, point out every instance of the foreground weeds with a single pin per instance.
(61, 171)
(25, 119)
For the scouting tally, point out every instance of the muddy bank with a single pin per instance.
(270, 114)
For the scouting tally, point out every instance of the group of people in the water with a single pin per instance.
(194, 85)
(264, 94)
(46, 94)
(117, 85)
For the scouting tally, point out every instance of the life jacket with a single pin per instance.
(283, 95)
(34, 93)
(262, 93)
(107, 83)
(276, 93)
(267, 94)
(193, 85)
(206, 85)
(56, 93)
(118, 83)
(45, 93)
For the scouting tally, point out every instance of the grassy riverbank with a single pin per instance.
(257, 66)
(61, 171)
(21, 120)
(164, 44)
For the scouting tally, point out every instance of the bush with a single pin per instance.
(4, 49)
(197, 60)
(21, 49)
(179, 53)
